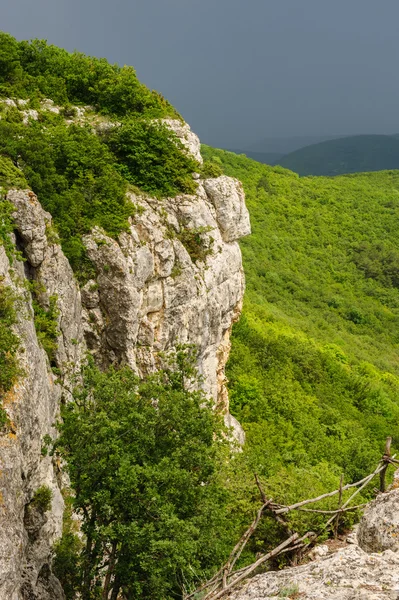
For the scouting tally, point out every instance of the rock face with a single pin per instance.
(176, 277)
(367, 570)
(151, 294)
(27, 533)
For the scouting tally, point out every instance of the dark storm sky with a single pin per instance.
(241, 70)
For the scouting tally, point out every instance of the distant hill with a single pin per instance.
(285, 145)
(360, 153)
(267, 158)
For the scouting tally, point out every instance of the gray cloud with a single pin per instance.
(240, 70)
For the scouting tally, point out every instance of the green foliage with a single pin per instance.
(36, 69)
(75, 177)
(46, 323)
(67, 550)
(9, 344)
(10, 176)
(42, 498)
(211, 169)
(153, 158)
(6, 227)
(196, 241)
(314, 376)
(345, 155)
(145, 460)
(80, 177)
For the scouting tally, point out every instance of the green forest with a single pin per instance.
(314, 370)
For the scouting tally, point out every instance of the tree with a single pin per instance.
(144, 460)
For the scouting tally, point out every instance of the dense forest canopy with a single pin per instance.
(314, 370)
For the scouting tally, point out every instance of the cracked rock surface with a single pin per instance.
(152, 291)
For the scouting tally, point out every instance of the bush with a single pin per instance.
(46, 325)
(35, 69)
(10, 176)
(42, 498)
(211, 169)
(196, 241)
(76, 180)
(153, 158)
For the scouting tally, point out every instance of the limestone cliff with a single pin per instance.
(151, 292)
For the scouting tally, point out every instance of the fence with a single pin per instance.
(227, 578)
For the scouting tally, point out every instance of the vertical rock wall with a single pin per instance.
(156, 286)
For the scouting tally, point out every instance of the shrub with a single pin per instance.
(211, 169)
(196, 241)
(42, 498)
(36, 69)
(46, 324)
(153, 158)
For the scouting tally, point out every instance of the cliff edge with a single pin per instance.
(176, 277)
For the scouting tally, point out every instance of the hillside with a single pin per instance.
(314, 369)
(267, 158)
(354, 154)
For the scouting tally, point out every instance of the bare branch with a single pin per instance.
(254, 566)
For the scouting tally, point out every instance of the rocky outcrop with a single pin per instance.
(151, 295)
(187, 137)
(26, 533)
(365, 570)
(175, 277)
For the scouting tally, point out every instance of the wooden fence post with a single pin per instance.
(385, 458)
(341, 483)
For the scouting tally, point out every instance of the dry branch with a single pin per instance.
(253, 567)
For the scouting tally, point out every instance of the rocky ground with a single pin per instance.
(367, 568)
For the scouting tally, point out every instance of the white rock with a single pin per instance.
(355, 572)
(49, 105)
(29, 115)
(227, 196)
(188, 138)
(148, 296)
(379, 528)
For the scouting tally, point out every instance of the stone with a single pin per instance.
(89, 294)
(379, 528)
(349, 574)
(31, 222)
(368, 570)
(188, 138)
(29, 115)
(49, 106)
(227, 196)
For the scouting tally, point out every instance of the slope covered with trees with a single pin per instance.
(352, 154)
(314, 369)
